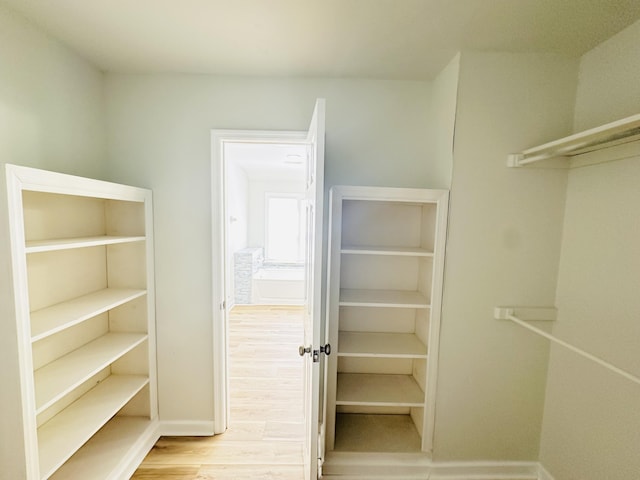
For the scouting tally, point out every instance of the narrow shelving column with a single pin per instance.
(386, 250)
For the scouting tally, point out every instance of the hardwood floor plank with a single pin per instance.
(265, 437)
(171, 472)
(253, 472)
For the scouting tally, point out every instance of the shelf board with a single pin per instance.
(376, 433)
(394, 251)
(58, 378)
(614, 133)
(64, 434)
(103, 455)
(368, 389)
(380, 345)
(37, 246)
(382, 298)
(50, 320)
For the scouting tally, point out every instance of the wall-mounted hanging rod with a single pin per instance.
(507, 313)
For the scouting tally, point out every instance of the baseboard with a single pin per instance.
(363, 467)
(138, 452)
(186, 428)
(543, 474)
(484, 471)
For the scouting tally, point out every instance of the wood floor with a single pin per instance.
(264, 441)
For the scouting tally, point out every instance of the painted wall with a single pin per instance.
(237, 219)
(51, 103)
(503, 249)
(609, 86)
(443, 104)
(591, 426)
(51, 117)
(159, 137)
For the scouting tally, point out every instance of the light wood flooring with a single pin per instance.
(265, 437)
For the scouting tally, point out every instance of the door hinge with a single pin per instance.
(223, 305)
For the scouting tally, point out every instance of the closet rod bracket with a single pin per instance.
(531, 314)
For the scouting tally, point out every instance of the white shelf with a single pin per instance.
(60, 437)
(382, 298)
(381, 345)
(107, 450)
(37, 246)
(378, 390)
(395, 251)
(55, 380)
(376, 433)
(58, 317)
(614, 133)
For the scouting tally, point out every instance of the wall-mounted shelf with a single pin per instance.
(615, 133)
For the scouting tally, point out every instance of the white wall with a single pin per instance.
(51, 103)
(159, 137)
(591, 426)
(609, 84)
(51, 117)
(444, 103)
(503, 249)
(237, 220)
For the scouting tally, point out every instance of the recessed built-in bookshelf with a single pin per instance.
(82, 252)
(384, 285)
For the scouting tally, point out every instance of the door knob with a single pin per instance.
(326, 349)
(302, 350)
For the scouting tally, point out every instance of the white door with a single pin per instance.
(311, 350)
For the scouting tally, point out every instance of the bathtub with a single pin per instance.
(278, 286)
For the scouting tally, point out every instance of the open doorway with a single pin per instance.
(311, 349)
(264, 243)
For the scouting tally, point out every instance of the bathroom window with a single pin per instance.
(285, 228)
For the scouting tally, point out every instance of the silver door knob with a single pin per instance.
(302, 350)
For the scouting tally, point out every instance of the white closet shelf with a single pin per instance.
(378, 390)
(395, 251)
(382, 298)
(107, 450)
(56, 318)
(610, 134)
(381, 345)
(37, 246)
(65, 433)
(58, 378)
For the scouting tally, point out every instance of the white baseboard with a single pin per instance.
(484, 471)
(544, 474)
(136, 454)
(360, 467)
(186, 428)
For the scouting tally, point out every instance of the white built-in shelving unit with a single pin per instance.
(82, 269)
(386, 255)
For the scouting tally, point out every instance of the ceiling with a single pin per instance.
(394, 39)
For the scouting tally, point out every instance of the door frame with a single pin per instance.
(219, 260)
